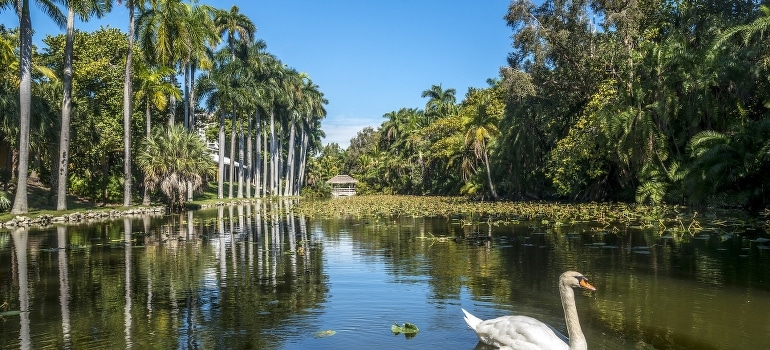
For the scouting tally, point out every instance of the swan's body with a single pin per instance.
(527, 333)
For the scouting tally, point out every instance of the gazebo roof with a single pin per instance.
(341, 179)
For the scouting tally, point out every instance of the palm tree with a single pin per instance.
(310, 122)
(298, 105)
(84, 9)
(20, 205)
(311, 138)
(161, 34)
(748, 31)
(200, 37)
(221, 90)
(253, 57)
(128, 105)
(154, 90)
(238, 28)
(440, 103)
(174, 159)
(482, 114)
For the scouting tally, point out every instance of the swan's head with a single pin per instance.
(575, 279)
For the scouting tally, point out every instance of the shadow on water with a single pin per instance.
(256, 276)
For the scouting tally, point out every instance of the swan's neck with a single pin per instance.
(577, 341)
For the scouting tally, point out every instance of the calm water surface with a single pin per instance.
(255, 277)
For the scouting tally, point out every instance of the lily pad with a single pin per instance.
(324, 334)
(406, 328)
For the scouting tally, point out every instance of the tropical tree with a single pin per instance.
(173, 159)
(128, 103)
(236, 27)
(731, 168)
(310, 127)
(201, 37)
(84, 9)
(222, 92)
(96, 136)
(441, 103)
(482, 111)
(20, 205)
(153, 91)
(161, 34)
(9, 97)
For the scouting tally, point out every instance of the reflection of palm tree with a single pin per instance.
(127, 321)
(19, 236)
(64, 286)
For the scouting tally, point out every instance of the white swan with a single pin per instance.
(527, 333)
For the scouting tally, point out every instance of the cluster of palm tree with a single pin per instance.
(648, 101)
(272, 112)
(441, 149)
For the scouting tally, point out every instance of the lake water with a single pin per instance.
(255, 277)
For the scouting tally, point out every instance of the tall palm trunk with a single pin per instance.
(249, 158)
(241, 154)
(489, 175)
(289, 186)
(190, 109)
(172, 103)
(20, 205)
(187, 98)
(128, 107)
(234, 119)
(273, 156)
(258, 161)
(265, 166)
(148, 134)
(66, 113)
(221, 146)
(302, 159)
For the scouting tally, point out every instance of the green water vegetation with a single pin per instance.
(672, 220)
(652, 101)
(324, 334)
(406, 328)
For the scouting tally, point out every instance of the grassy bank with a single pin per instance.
(41, 202)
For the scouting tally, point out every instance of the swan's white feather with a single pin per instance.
(515, 332)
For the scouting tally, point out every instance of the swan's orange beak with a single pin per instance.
(585, 285)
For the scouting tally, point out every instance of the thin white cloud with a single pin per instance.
(341, 128)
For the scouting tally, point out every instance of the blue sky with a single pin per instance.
(368, 57)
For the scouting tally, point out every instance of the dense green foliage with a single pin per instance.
(93, 102)
(173, 159)
(648, 101)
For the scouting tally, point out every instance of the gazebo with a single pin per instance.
(343, 185)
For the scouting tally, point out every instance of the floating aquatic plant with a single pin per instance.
(324, 334)
(406, 328)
